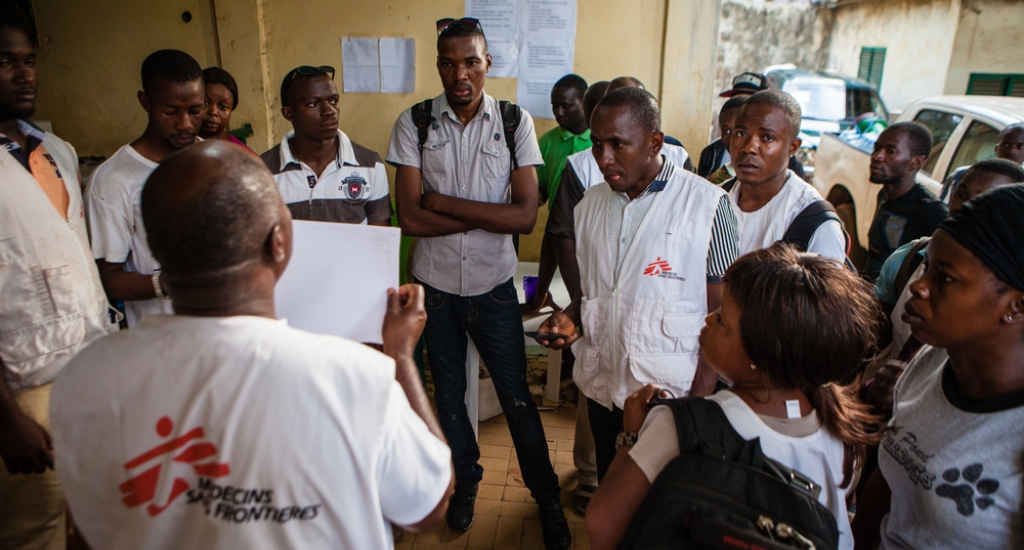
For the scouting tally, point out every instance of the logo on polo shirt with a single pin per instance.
(661, 268)
(222, 501)
(354, 187)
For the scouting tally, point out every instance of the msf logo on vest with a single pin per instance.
(200, 455)
(661, 268)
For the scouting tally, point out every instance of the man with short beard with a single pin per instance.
(51, 301)
(906, 210)
(173, 96)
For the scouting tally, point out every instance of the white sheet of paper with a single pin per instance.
(500, 22)
(535, 97)
(360, 64)
(397, 65)
(338, 277)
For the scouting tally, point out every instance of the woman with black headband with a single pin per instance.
(952, 460)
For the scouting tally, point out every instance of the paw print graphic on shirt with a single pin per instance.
(963, 493)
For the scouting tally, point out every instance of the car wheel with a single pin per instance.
(848, 214)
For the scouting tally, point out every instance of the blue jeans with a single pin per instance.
(496, 326)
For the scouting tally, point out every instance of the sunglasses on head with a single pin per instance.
(466, 24)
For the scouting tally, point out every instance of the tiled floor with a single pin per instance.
(506, 515)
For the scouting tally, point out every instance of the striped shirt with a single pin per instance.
(352, 189)
(624, 222)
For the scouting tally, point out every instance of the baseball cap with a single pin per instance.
(747, 83)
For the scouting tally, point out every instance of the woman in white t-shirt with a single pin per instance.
(791, 329)
(951, 463)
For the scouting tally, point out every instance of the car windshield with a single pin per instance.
(831, 99)
(819, 99)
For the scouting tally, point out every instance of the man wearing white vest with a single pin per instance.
(51, 302)
(766, 196)
(653, 242)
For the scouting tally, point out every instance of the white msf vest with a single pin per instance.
(51, 299)
(643, 328)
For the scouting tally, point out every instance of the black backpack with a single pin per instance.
(721, 492)
(511, 115)
(808, 221)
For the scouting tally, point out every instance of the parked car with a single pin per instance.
(965, 130)
(830, 103)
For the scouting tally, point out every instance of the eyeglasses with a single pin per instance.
(466, 24)
(305, 70)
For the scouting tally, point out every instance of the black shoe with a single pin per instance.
(460, 508)
(552, 521)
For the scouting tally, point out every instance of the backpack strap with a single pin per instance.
(511, 116)
(799, 232)
(909, 264)
(727, 186)
(704, 429)
(423, 117)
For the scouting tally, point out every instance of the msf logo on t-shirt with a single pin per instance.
(661, 268)
(141, 488)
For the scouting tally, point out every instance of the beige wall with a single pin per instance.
(988, 40)
(90, 55)
(917, 35)
(89, 74)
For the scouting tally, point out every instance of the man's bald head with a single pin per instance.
(623, 82)
(208, 212)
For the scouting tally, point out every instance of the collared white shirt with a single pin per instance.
(352, 189)
(469, 162)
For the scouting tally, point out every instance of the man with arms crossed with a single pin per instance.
(222, 427)
(51, 302)
(173, 97)
(464, 194)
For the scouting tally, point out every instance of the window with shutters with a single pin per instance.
(872, 60)
(996, 84)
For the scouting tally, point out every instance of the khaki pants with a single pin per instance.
(32, 505)
(583, 455)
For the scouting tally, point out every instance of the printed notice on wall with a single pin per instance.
(360, 67)
(397, 65)
(500, 22)
(532, 40)
(338, 278)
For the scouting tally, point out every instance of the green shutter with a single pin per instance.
(996, 84)
(872, 63)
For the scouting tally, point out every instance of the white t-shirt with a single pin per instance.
(113, 205)
(955, 464)
(240, 432)
(818, 455)
(767, 225)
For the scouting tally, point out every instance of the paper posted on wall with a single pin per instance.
(338, 277)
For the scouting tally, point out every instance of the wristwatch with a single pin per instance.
(626, 438)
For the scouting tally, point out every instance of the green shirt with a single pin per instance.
(555, 146)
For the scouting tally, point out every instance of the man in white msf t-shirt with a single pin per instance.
(220, 426)
(766, 195)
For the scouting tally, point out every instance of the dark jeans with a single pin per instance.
(605, 425)
(496, 326)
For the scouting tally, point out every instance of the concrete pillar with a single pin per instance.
(688, 71)
(242, 36)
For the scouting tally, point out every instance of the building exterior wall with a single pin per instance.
(988, 40)
(918, 37)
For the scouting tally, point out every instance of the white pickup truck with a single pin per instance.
(965, 130)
